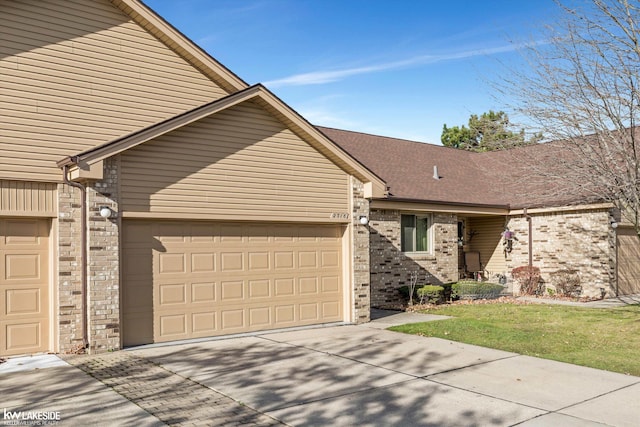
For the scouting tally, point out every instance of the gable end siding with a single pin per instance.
(76, 74)
(238, 164)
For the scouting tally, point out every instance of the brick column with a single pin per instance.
(69, 316)
(104, 261)
(361, 265)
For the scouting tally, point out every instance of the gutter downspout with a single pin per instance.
(528, 218)
(83, 254)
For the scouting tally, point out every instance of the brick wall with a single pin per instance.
(391, 268)
(361, 287)
(104, 270)
(103, 266)
(69, 316)
(583, 240)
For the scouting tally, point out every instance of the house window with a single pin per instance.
(414, 233)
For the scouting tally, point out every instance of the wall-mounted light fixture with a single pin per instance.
(107, 212)
(363, 220)
(614, 224)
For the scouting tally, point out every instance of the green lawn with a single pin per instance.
(600, 338)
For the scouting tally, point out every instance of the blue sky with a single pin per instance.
(399, 68)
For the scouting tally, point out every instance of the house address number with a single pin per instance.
(339, 215)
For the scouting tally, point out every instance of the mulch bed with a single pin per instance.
(500, 300)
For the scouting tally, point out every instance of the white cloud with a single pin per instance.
(324, 117)
(322, 77)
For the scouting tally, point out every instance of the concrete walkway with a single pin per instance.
(339, 376)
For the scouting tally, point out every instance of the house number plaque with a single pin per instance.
(339, 215)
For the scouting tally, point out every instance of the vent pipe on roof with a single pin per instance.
(435, 172)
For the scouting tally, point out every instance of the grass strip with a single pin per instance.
(606, 339)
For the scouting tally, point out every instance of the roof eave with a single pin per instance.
(374, 186)
(442, 202)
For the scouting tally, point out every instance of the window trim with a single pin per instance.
(430, 233)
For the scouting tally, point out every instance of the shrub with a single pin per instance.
(404, 292)
(431, 294)
(528, 278)
(475, 290)
(447, 290)
(567, 283)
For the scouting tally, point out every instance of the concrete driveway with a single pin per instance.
(344, 376)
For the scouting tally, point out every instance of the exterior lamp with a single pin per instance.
(614, 224)
(364, 220)
(106, 212)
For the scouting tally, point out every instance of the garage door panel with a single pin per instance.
(203, 293)
(284, 287)
(171, 263)
(23, 232)
(259, 261)
(203, 262)
(232, 319)
(284, 315)
(172, 326)
(309, 312)
(231, 233)
(258, 233)
(222, 278)
(330, 259)
(23, 302)
(260, 317)
(330, 309)
(283, 260)
(172, 232)
(24, 337)
(307, 259)
(308, 285)
(231, 290)
(204, 324)
(171, 294)
(24, 286)
(231, 261)
(331, 284)
(22, 267)
(260, 289)
(203, 232)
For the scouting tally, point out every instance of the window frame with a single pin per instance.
(429, 231)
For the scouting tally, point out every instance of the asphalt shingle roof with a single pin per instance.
(497, 178)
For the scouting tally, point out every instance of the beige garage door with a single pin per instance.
(198, 279)
(24, 286)
(628, 261)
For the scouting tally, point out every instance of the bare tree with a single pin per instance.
(581, 88)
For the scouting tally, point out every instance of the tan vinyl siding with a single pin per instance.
(21, 198)
(488, 241)
(76, 74)
(237, 164)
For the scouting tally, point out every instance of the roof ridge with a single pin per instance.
(395, 139)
